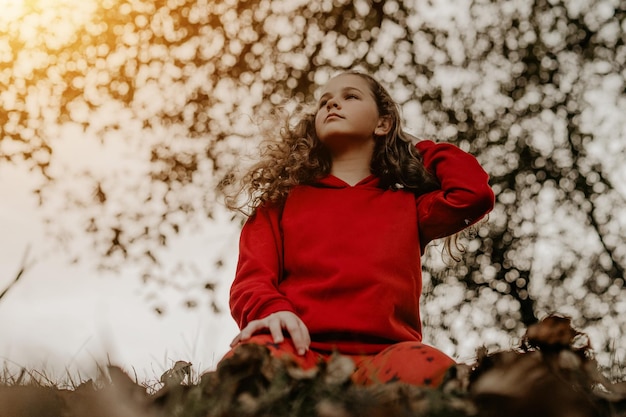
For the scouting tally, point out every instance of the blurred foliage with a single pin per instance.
(534, 88)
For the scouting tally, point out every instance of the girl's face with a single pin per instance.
(347, 112)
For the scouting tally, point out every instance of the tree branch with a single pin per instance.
(23, 267)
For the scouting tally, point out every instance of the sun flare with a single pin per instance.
(11, 9)
(19, 8)
(50, 21)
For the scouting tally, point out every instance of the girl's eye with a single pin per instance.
(351, 96)
(323, 103)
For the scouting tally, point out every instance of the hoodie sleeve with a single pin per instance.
(254, 293)
(463, 198)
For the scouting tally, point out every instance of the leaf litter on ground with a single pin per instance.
(552, 373)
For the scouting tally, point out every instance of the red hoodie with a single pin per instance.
(346, 259)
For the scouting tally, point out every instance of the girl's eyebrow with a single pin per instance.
(343, 90)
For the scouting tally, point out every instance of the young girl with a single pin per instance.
(343, 207)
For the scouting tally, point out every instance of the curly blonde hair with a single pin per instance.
(297, 157)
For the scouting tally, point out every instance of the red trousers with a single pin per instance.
(410, 362)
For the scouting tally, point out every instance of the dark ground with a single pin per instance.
(551, 374)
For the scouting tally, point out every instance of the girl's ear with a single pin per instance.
(384, 126)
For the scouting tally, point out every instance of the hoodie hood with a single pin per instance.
(331, 181)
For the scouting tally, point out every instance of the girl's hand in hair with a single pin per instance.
(276, 322)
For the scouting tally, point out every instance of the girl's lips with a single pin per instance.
(333, 115)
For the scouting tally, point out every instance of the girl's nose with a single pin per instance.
(331, 103)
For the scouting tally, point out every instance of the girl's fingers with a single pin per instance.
(276, 329)
(247, 332)
(275, 323)
(299, 335)
(305, 332)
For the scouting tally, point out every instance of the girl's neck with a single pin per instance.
(352, 166)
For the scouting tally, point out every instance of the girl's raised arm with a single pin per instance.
(464, 197)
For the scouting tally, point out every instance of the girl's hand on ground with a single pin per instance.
(276, 322)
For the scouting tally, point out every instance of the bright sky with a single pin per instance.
(67, 318)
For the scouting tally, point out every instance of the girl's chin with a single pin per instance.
(343, 137)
